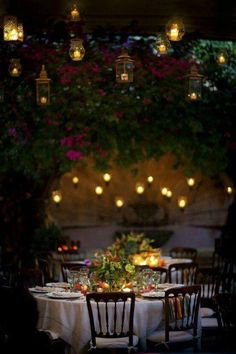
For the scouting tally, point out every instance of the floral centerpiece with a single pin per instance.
(137, 247)
(113, 272)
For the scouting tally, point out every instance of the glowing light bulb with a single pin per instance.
(229, 190)
(75, 180)
(164, 191)
(107, 177)
(221, 59)
(150, 179)
(182, 202)
(43, 100)
(139, 188)
(99, 190)
(119, 202)
(193, 96)
(124, 77)
(77, 54)
(169, 193)
(162, 49)
(190, 181)
(174, 32)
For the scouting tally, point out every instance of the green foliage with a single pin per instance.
(46, 239)
(110, 122)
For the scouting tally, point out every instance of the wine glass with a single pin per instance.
(155, 279)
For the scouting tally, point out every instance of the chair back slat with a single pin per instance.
(181, 309)
(111, 315)
(183, 273)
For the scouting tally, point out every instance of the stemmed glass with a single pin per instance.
(155, 279)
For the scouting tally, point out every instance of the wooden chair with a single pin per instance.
(184, 252)
(183, 273)
(209, 280)
(111, 321)
(181, 319)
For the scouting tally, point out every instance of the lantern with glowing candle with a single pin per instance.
(124, 68)
(175, 29)
(43, 88)
(15, 68)
(221, 58)
(119, 202)
(162, 45)
(139, 188)
(74, 13)
(57, 197)
(10, 29)
(77, 50)
(194, 84)
(182, 202)
(107, 178)
(99, 191)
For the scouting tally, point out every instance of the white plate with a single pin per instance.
(58, 285)
(169, 285)
(64, 295)
(40, 289)
(154, 294)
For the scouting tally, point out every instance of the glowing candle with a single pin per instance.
(174, 32)
(124, 77)
(43, 100)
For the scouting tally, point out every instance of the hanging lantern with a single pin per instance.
(20, 32)
(74, 13)
(162, 44)
(194, 84)
(175, 29)
(10, 29)
(15, 68)
(124, 68)
(43, 88)
(221, 58)
(77, 50)
(1, 92)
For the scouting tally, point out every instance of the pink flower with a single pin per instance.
(101, 92)
(74, 155)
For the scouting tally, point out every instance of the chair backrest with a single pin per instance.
(182, 309)
(184, 252)
(209, 279)
(226, 309)
(111, 315)
(183, 273)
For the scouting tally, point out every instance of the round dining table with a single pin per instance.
(69, 319)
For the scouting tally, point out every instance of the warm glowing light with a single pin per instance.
(75, 16)
(169, 193)
(221, 58)
(15, 67)
(162, 49)
(56, 196)
(150, 179)
(43, 100)
(164, 190)
(124, 77)
(107, 177)
(174, 32)
(75, 180)
(77, 50)
(229, 190)
(191, 181)
(20, 31)
(99, 190)
(182, 202)
(193, 96)
(139, 188)
(10, 32)
(119, 202)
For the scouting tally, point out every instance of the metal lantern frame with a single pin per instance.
(15, 68)
(194, 84)
(20, 31)
(43, 88)
(222, 57)
(74, 13)
(76, 44)
(175, 29)
(124, 68)
(162, 44)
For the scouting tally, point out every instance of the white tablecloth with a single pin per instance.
(71, 321)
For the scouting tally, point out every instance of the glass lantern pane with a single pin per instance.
(43, 94)
(194, 89)
(124, 72)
